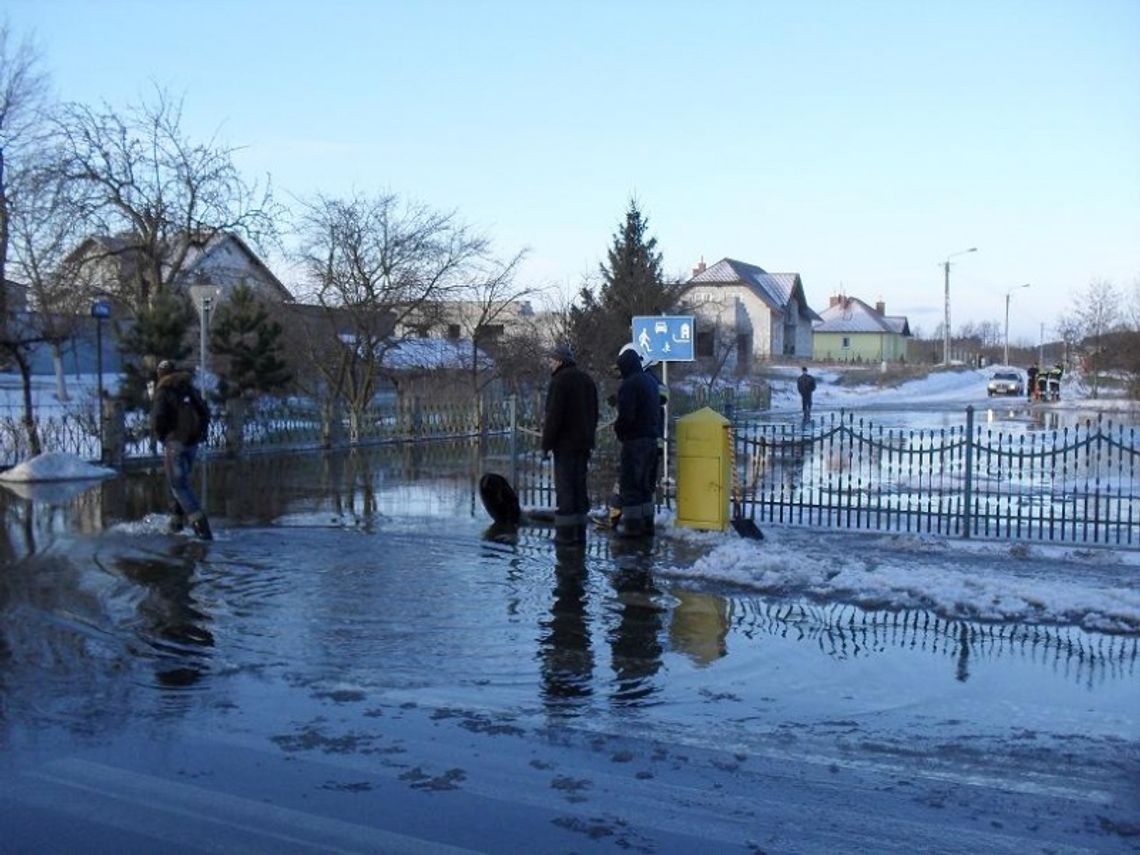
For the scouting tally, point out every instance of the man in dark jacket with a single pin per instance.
(805, 384)
(568, 430)
(637, 428)
(180, 420)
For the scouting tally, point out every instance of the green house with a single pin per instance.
(849, 330)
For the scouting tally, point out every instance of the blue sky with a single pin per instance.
(856, 143)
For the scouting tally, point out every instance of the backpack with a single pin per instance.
(191, 416)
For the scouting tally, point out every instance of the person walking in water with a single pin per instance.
(180, 420)
(805, 384)
(569, 427)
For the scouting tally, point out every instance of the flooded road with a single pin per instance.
(358, 663)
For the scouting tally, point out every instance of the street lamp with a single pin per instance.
(1005, 361)
(100, 310)
(203, 295)
(946, 322)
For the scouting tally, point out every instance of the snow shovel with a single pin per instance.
(744, 526)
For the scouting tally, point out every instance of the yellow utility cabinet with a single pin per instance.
(704, 470)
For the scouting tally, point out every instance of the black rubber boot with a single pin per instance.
(202, 527)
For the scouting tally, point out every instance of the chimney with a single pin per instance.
(834, 300)
(700, 268)
(880, 306)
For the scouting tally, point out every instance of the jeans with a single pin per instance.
(178, 461)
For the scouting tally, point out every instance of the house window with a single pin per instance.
(846, 342)
(705, 343)
(453, 331)
(490, 332)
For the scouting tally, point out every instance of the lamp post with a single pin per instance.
(203, 295)
(1005, 360)
(100, 309)
(946, 321)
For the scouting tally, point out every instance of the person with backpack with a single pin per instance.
(180, 420)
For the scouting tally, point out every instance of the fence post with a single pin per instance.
(968, 489)
(513, 402)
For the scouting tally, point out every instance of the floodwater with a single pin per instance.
(359, 663)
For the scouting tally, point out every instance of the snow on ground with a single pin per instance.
(1094, 588)
(55, 466)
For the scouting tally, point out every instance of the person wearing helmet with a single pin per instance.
(180, 420)
(569, 427)
(637, 424)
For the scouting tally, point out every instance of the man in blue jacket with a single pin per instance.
(637, 428)
(569, 427)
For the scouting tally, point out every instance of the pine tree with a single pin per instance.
(632, 285)
(159, 332)
(248, 343)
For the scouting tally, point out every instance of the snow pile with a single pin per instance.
(987, 581)
(55, 466)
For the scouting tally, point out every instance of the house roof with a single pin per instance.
(775, 289)
(852, 315)
(197, 259)
(429, 354)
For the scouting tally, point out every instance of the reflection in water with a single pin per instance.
(635, 642)
(173, 623)
(699, 627)
(565, 649)
(847, 632)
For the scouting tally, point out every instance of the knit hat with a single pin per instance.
(165, 367)
(561, 352)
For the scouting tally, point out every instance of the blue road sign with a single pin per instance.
(101, 309)
(664, 338)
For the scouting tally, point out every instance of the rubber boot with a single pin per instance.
(201, 526)
(630, 528)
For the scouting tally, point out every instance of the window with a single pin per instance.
(453, 331)
(846, 342)
(704, 343)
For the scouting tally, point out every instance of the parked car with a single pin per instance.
(1005, 383)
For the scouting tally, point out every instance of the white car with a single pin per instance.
(1005, 383)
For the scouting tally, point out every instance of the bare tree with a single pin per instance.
(23, 98)
(380, 271)
(487, 304)
(1095, 314)
(45, 218)
(159, 193)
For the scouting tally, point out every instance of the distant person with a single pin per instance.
(1031, 387)
(637, 427)
(180, 420)
(569, 427)
(805, 384)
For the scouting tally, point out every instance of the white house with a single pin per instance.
(761, 315)
(109, 264)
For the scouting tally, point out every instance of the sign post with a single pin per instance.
(664, 339)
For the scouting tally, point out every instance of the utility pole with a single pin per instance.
(946, 321)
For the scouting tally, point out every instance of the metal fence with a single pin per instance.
(1070, 485)
(1066, 485)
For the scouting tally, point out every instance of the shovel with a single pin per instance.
(744, 527)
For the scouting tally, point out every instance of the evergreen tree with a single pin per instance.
(249, 344)
(159, 332)
(632, 284)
